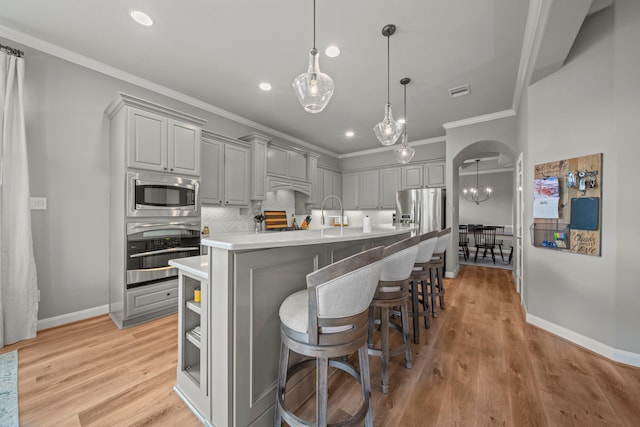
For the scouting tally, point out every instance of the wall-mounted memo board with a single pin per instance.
(578, 226)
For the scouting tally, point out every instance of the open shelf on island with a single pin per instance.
(194, 306)
(193, 338)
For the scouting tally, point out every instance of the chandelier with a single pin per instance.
(388, 130)
(404, 153)
(479, 193)
(313, 88)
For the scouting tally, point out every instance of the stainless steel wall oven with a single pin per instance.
(151, 245)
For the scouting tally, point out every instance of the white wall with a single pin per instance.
(495, 211)
(591, 106)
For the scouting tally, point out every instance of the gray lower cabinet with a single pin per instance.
(152, 298)
(266, 278)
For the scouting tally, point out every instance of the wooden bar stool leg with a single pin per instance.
(363, 356)
(425, 304)
(322, 368)
(384, 343)
(415, 308)
(371, 325)
(441, 286)
(405, 334)
(433, 285)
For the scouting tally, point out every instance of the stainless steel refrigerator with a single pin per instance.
(423, 207)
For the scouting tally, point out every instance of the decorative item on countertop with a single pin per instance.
(366, 224)
(258, 222)
(305, 223)
(294, 224)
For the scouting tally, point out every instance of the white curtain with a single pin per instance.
(18, 282)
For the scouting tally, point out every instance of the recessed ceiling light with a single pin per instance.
(141, 18)
(265, 86)
(401, 120)
(332, 51)
(349, 133)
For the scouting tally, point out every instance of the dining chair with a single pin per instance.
(463, 241)
(485, 239)
(499, 242)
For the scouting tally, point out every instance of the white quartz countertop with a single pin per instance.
(278, 239)
(197, 266)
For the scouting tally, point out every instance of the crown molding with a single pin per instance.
(100, 67)
(480, 119)
(537, 19)
(393, 147)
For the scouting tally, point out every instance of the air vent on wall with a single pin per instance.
(459, 91)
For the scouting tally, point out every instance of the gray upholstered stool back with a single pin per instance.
(426, 247)
(444, 237)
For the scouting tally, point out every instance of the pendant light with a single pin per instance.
(388, 130)
(479, 193)
(404, 153)
(313, 88)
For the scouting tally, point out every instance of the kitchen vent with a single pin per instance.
(459, 91)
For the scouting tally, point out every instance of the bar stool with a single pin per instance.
(393, 291)
(421, 276)
(437, 266)
(329, 320)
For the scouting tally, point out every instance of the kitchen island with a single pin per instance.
(245, 277)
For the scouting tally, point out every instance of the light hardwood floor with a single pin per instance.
(480, 364)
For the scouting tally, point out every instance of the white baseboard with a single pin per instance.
(452, 274)
(617, 355)
(72, 317)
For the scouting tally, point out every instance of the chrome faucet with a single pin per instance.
(341, 210)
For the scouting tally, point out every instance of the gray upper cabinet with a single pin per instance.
(368, 190)
(226, 172)
(258, 145)
(371, 189)
(332, 185)
(163, 144)
(297, 163)
(350, 190)
(277, 161)
(236, 175)
(212, 176)
(286, 163)
(390, 183)
(412, 176)
(435, 175)
(423, 175)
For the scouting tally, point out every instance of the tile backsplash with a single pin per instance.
(227, 220)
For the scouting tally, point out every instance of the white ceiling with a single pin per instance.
(219, 51)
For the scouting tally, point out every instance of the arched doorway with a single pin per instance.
(497, 160)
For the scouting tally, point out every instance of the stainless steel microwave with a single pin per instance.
(156, 194)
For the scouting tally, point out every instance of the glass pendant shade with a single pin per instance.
(388, 130)
(404, 153)
(313, 88)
